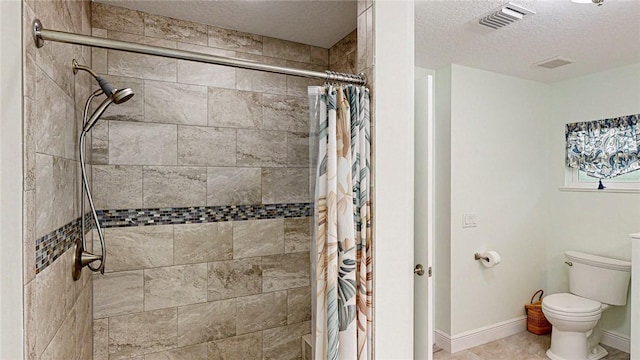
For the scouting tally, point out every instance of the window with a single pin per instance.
(578, 179)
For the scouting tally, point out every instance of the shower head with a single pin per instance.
(118, 96)
(122, 95)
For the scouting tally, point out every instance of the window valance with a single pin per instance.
(604, 148)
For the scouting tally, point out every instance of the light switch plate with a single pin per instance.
(469, 220)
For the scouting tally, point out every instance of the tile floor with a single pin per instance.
(521, 346)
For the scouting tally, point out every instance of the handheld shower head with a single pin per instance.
(122, 95)
(119, 96)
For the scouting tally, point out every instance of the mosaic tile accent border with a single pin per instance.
(201, 214)
(54, 244)
(51, 246)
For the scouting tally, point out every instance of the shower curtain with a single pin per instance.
(342, 248)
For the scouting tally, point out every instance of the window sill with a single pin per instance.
(606, 190)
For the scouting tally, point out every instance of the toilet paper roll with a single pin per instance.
(492, 258)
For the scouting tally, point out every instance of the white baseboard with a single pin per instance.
(616, 341)
(483, 335)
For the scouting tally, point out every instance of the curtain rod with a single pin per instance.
(40, 35)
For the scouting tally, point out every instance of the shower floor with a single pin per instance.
(521, 346)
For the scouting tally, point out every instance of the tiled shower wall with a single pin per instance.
(57, 310)
(202, 135)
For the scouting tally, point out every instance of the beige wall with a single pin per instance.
(58, 311)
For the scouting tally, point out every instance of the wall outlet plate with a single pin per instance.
(469, 220)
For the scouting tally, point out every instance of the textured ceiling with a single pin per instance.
(313, 22)
(596, 37)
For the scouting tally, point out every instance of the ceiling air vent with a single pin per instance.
(505, 15)
(554, 62)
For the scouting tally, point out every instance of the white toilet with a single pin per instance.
(595, 283)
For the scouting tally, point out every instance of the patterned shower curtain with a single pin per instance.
(342, 249)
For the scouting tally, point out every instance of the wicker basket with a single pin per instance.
(536, 321)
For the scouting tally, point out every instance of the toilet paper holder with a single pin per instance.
(477, 256)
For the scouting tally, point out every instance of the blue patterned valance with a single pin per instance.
(604, 148)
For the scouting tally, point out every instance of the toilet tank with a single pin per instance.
(599, 278)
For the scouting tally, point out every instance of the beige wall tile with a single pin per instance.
(284, 342)
(55, 59)
(286, 113)
(56, 193)
(286, 50)
(29, 143)
(117, 293)
(243, 347)
(261, 59)
(237, 109)
(235, 40)
(175, 103)
(116, 18)
(143, 333)
(84, 324)
(196, 243)
(101, 339)
(174, 286)
(206, 50)
(306, 66)
(346, 64)
(206, 146)
(174, 186)
(29, 236)
(172, 29)
(44, 194)
(62, 345)
(258, 237)
(142, 66)
(54, 109)
(141, 39)
(142, 144)
(190, 72)
(117, 186)
(99, 56)
(297, 86)
(234, 278)
(298, 150)
(261, 148)
(196, 352)
(251, 314)
(206, 322)
(286, 271)
(260, 81)
(343, 47)
(99, 154)
(319, 56)
(362, 39)
(285, 185)
(133, 109)
(298, 305)
(233, 186)
(30, 321)
(28, 45)
(50, 301)
(297, 234)
(133, 248)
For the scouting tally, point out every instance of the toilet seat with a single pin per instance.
(571, 306)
